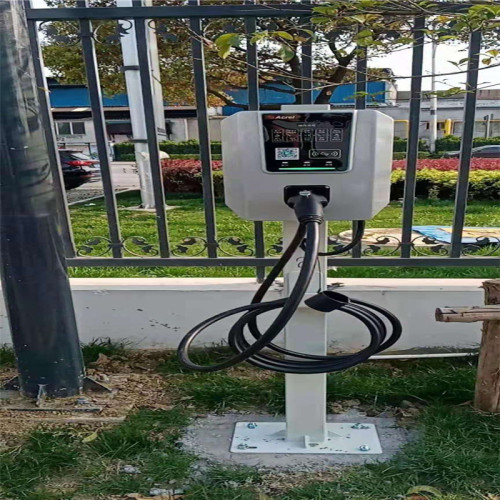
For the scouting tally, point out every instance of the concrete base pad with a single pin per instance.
(210, 438)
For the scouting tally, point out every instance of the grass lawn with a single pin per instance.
(188, 221)
(456, 450)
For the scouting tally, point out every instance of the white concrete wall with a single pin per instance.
(156, 312)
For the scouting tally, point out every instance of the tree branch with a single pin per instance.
(225, 99)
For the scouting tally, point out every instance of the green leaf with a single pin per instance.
(228, 38)
(284, 34)
(320, 20)
(360, 18)
(404, 40)
(225, 42)
(493, 52)
(486, 61)
(423, 489)
(286, 53)
(261, 35)
(364, 33)
(90, 438)
(327, 11)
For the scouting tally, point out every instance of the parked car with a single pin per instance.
(78, 168)
(479, 152)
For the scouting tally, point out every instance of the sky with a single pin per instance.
(400, 63)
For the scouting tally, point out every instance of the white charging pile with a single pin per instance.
(304, 165)
(349, 151)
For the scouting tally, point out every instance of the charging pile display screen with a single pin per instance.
(307, 142)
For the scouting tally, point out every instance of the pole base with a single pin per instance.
(269, 437)
(89, 384)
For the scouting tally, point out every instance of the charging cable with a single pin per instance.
(308, 203)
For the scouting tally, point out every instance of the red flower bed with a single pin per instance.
(184, 176)
(445, 164)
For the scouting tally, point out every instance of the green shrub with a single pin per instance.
(400, 155)
(452, 142)
(191, 147)
(483, 185)
(131, 157)
(184, 176)
(400, 145)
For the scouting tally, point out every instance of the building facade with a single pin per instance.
(75, 130)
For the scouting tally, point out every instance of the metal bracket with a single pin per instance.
(270, 437)
(12, 384)
(91, 385)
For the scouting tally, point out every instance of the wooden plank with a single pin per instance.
(468, 314)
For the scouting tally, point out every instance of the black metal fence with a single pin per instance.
(389, 250)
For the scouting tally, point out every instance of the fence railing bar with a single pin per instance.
(191, 11)
(361, 78)
(202, 11)
(413, 136)
(360, 103)
(50, 137)
(200, 84)
(306, 49)
(253, 105)
(141, 34)
(466, 144)
(94, 86)
(269, 261)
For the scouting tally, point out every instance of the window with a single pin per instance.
(63, 128)
(71, 128)
(78, 128)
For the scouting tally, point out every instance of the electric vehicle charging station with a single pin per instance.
(304, 165)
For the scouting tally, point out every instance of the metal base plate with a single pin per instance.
(269, 437)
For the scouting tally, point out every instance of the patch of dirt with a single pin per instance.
(133, 383)
(276, 483)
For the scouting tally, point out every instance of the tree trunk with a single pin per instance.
(296, 68)
(326, 92)
(487, 394)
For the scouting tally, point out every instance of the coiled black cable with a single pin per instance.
(359, 230)
(370, 315)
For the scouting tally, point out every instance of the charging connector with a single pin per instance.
(307, 202)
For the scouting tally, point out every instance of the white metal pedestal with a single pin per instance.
(269, 437)
(306, 429)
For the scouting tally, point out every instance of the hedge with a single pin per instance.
(452, 143)
(399, 155)
(131, 157)
(445, 164)
(191, 147)
(438, 184)
(184, 176)
(400, 145)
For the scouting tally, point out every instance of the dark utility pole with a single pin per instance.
(34, 280)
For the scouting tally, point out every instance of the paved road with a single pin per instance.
(124, 177)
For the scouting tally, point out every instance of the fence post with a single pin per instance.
(34, 280)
